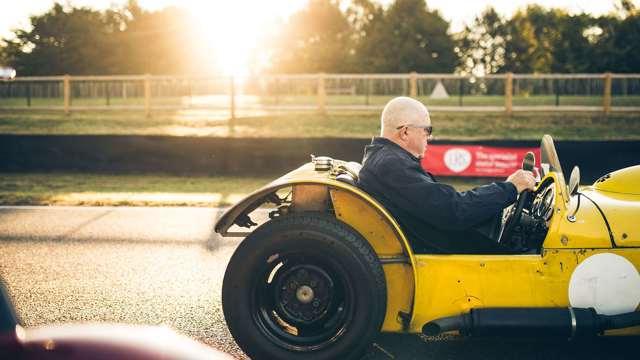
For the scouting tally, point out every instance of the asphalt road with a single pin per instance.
(164, 266)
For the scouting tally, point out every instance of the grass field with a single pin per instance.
(133, 190)
(353, 124)
(377, 100)
(127, 190)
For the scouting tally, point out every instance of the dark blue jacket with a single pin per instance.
(434, 216)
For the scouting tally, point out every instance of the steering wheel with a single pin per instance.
(512, 218)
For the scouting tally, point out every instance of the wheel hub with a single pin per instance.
(303, 294)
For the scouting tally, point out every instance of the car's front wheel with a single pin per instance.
(304, 286)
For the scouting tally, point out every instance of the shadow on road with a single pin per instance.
(397, 346)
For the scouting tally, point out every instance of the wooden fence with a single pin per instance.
(323, 92)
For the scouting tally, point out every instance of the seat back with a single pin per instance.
(348, 173)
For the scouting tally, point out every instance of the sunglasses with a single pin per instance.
(427, 129)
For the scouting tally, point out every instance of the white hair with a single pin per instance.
(402, 111)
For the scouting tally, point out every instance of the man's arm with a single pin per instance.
(441, 205)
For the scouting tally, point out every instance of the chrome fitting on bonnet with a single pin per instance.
(322, 163)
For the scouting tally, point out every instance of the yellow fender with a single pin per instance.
(357, 209)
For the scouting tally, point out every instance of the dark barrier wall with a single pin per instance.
(167, 154)
(223, 156)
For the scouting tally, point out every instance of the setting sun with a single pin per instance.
(235, 29)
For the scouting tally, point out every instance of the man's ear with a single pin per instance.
(404, 133)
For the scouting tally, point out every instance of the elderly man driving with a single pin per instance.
(434, 216)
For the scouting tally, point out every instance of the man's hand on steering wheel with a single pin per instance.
(523, 180)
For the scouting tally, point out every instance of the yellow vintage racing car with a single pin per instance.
(331, 268)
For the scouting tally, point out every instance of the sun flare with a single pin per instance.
(235, 29)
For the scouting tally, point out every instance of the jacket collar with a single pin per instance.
(382, 141)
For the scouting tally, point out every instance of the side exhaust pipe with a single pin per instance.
(531, 322)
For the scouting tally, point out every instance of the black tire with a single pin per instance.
(304, 286)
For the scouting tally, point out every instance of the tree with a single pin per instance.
(126, 40)
(365, 18)
(530, 35)
(318, 38)
(627, 40)
(407, 38)
(533, 40)
(60, 42)
(482, 44)
(626, 8)
(362, 15)
(571, 48)
(553, 41)
(161, 42)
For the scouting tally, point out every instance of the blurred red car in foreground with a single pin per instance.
(98, 341)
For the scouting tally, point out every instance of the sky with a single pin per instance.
(236, 43)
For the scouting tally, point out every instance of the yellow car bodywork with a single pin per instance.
(423, 287)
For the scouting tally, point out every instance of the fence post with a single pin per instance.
(508, 93)
(190, 91)
(460, 91)
(66, 91)
(367, 85)
(606, 103)
(413, 84)
(29, 94)
(232, 99)
(147, 95)
(107, 93)
(322, 94)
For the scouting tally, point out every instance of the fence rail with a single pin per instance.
(321, 92)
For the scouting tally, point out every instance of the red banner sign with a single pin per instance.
(465, 160)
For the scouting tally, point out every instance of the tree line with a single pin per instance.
(327, 36)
